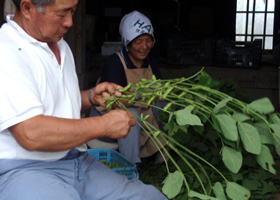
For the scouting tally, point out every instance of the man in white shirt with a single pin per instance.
(42, 137)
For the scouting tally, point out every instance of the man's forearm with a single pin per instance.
(44, 133)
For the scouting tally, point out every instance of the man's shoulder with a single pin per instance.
(8, 48)
(10, 53)
(6, 42)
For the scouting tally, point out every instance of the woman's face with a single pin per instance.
(140, 47)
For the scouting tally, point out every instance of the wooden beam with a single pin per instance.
(76, 39)
(2, 12)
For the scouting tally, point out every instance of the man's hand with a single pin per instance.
(118, 123)
(105, 90)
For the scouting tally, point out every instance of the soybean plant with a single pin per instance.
(239, 130)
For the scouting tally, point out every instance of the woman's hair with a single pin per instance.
(38, 3)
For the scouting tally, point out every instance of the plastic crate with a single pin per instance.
(111, 156)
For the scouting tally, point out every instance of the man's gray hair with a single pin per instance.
(38, 3)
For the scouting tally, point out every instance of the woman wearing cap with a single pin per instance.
(130, 65)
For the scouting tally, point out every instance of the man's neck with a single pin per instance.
(55, 49)
(23, 24)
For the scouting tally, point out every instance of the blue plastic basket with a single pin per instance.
(111, 156)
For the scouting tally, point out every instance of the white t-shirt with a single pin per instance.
(33, 83)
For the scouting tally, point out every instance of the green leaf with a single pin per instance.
(265, 160)
(219, 191)
(276, 136)
(274, 118)
(193, 194)
(262, 105)
(270, 189)
(228, 126)
(276, 142)
(237, 192)
(232, 159)
(250, 138)
(251, 184)
(183, 196)
(173, 184)
(240, 117)
(185, 117)
(206, 80)
(215, 124)
(275, 127)
(221, 104)
(264, 131)
(171, 127)
(199, 129)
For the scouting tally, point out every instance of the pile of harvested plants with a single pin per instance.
(221, 147)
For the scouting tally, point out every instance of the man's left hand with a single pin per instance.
(105, 90)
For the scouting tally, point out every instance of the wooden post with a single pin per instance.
(2, 12)
(76, 38)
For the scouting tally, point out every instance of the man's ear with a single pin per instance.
(27, 8)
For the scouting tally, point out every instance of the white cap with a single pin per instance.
(133, 25)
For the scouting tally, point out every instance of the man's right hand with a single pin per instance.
(118, 123)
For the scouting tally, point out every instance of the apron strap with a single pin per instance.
(122, 60)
